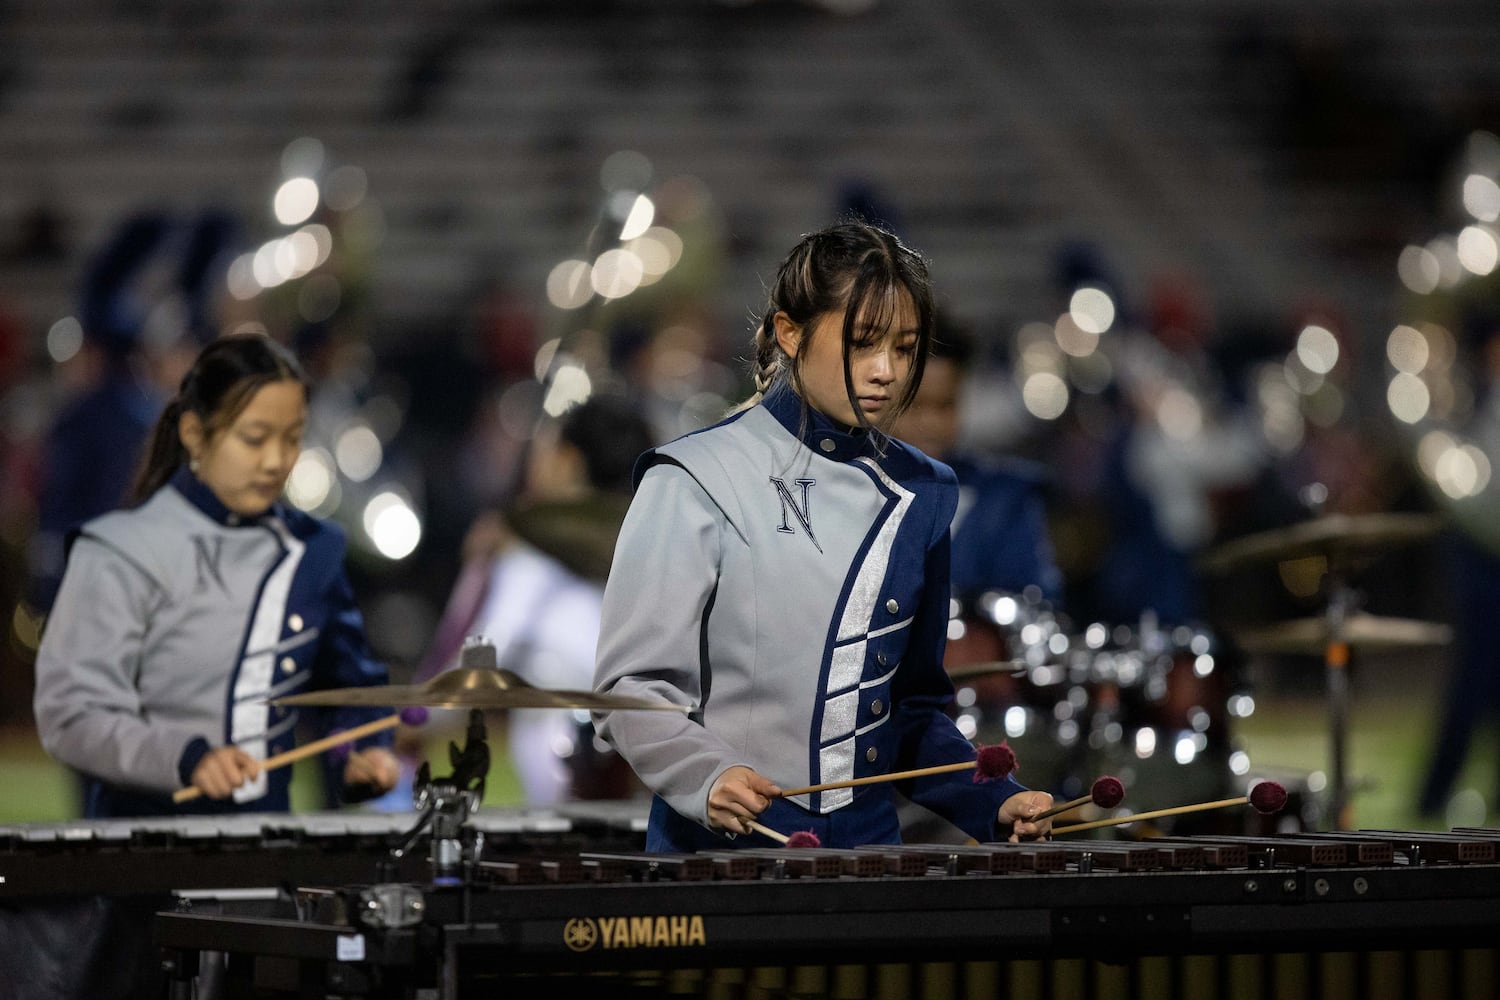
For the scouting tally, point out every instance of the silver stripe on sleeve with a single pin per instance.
(297, 680)
(287, 645)
(276, 730)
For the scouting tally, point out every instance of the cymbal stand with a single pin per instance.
(446, 804)
(1342, 599)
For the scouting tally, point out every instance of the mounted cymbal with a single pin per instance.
(1332, 535)
(1362, 631)
(473, 687)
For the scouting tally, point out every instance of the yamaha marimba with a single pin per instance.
(1356, 914)
(271, 850)
(77, 899)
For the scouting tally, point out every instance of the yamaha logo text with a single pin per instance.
(586, 933)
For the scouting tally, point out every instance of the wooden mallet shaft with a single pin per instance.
(1062, 807)
(1239, 800)
(306, 750)
(993, 762)
(764, 830)
(875, 779)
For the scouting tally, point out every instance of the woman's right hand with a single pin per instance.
(738, 796)
(222, 770)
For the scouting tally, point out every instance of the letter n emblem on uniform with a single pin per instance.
(791, 510)
(207, 561)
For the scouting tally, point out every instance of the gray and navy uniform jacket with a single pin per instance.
(789, 583)
(175, 621)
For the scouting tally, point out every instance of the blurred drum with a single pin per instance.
(1167, 739)
(1145, 704)
(1010, 657)
(596, 771)
(1173, 682)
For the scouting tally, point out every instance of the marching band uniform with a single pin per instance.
(789, 582)
(175, 621)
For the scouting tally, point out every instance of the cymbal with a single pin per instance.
(1363, 631)
(1330, 535)
(473, 687)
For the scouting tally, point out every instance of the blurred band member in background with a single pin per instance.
(178, 617)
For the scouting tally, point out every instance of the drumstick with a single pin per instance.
(992, 762)
(802, 838)
(1265, 797)
(315, 747)
(1106, 793)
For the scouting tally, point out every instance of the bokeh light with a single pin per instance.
(1317, 349)
(296, 200)
(1407, 397)
(1406, 349)
(569, 284)
(1482, 197)
(1092, 310)
(392, 525)
(1419, 270)
(313, 483)
(1045, 395)
(64, 339)
(1477, 250)
(358, 452)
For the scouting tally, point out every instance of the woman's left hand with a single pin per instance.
(1016, 812)
(376, 767)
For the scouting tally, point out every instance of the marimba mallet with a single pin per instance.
(1265, 797)
(991, 763)
(802, 838)
(413, 716)
(1106, 793)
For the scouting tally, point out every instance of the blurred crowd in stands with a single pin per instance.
(1153, 424)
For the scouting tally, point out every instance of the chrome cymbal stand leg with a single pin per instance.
(1341, 600)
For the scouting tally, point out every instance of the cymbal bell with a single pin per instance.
(474, 687)
(1362, 631)
(1333, 535)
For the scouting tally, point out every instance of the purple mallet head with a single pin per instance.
(1107, 792)
(1267, 797)
(994, 762)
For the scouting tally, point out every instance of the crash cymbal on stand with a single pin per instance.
(1362, 631)
(474, 687)
(1331, 535)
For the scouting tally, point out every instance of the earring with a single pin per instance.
(193, 464)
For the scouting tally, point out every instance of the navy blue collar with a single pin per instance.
(818, 432)
(197, 493)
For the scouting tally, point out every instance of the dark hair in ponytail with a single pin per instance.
(223, 379)
(853, 267)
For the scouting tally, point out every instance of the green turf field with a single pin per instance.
(1390, 735)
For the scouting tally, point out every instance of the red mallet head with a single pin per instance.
(1106, 792)
(414, 715)
(994, 762)
(804, 838)
(1267, 797)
